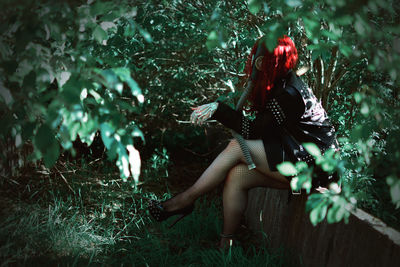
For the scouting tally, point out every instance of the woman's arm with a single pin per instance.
(284, 108)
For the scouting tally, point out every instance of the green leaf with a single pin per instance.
(96, 96)
(27, 130)
(135, 89)
(313, 201)
(359, 26)
(305, 181)
(51, 155)
(212, 40)
(318, 214)
(112, 151)
(287, 168)
(138, 133)
(99, 34)
(124, 75)
(345, 50)
(71, 90)
(44, 138)
(109, 75)
(341, 213)
(107, 132)
(316, 53)
(331, 216)
(130, 29)
(293, 3)
(134, 162)
(394, 184)
(123, 162)
(301, 165)
(344, 20)
(254, 6)
(64, 137)
(312, 149)
(331, 35)
(357, 97)
(364, 109)
(100, 8)
(311, 24)
(328, 166)
(146, 35)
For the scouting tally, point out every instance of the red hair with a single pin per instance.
(275, 65)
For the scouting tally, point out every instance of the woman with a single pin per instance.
(282, 114)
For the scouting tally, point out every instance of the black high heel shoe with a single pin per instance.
(160, 214)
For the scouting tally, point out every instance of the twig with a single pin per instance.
(12, 180)
(189, 122)
(65, 180)
(169, 59)
(90, 163)
(237, 74)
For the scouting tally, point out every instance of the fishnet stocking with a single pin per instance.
(237, 184)
(226, 162)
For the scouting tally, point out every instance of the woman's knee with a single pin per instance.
(235, 175)
(233, 145)
(233, 150)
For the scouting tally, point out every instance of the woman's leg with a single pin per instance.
(218, 170)
(239, 180)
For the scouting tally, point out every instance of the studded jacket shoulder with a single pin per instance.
(292, 112)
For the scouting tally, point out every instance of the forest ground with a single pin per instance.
(81, 213)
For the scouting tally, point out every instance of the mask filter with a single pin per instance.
(261, 50)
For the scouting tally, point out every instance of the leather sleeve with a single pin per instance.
(228, 117)
(286, 107)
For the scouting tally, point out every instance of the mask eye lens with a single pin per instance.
(258, 63)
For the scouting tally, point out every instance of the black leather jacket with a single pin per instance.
(292, 113)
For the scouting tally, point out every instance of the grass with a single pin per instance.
(105, 223)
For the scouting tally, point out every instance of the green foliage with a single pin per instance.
(112, 227)
(394, 190)
(128, 72)
(287, 169)
(365, 104)
(62, 79)
(334, 202)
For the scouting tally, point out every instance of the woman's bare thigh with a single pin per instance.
(257, 151)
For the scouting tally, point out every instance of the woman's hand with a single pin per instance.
(203, 113)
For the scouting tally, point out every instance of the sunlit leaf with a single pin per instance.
(99, 34)
(293, 3)
(287, 168)
(212, 40)
(364, 109)
(313, 149)
(135, 162)
(63, 77)
(331, 215)
(123, 165)
(146, 35)
(107, 132)
(138, 133)
(359, 26)
(318, 213)
(125, 76)
(254, 6)
(5, 94)
(394, 184)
